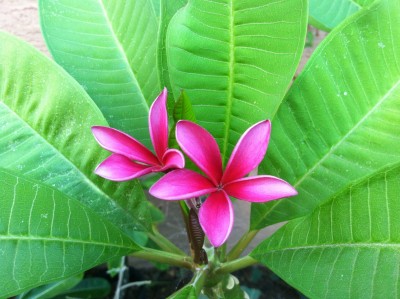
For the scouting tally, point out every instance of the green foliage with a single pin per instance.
(309, 39)
(339, 122)
(72, 287)
(45, 120)
(235, 60)
(110, 48)
(228, 287)
(327, 14)
(115, 266)
(188, 292)
(46, 236)
(182, 110)
(335, 137)
(93, 287)
(348, 247)
(168, 9)
(52, 289)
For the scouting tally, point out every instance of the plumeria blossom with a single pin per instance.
(216, 213)
(131, 159)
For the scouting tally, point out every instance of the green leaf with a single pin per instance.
(364, 2)
(340, 120)
(45, 120)
(347, 248)
(251, 292)
(168, 10)
(52, 289)
(327, 14)
(235, 60)
(182, 110)
(92, 287)
(115, 266)
(188, 292)
(227, 288)
(156, 5)
(46, 236)
(110, 47)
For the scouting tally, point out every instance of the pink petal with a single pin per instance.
(248, 152)
(260, 188)
(118, 142)
(173, 159)
(201, 148)
(216, 218)
(120, 168)
(158, 124)
(181, 184)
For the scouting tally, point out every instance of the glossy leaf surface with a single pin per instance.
(347, 248)
(327, 14)
(45, 120)
(168, 10)
(47, 236)
(110, 48)
(235, 60)
(340, 121)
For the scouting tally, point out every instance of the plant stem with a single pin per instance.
(159, 256)
(241, 245)
(199, 279)
(164, 243)
(234, 265)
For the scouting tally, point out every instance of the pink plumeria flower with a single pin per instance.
(130, 158)
(216, 214)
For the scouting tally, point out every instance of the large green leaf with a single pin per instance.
(347, 248)
(168, 10)
(45, 120)
(46, 236)
(340, 121)
(327, 14)
(235, 60)
(110, 47)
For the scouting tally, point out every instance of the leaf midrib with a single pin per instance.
(123, 54)
(338, 245)
(229, 101)
(5, 238)
(327, 155)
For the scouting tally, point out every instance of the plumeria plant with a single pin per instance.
(179, 100)
(131, 159)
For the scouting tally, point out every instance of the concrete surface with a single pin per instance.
(20, 17)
